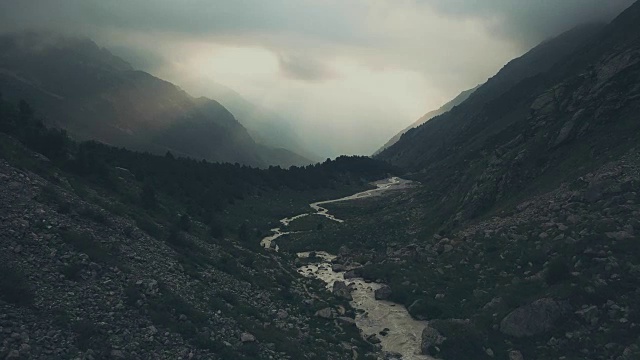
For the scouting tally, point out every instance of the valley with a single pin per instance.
(389, 324)
(138, 221)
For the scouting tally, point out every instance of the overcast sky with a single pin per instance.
(348, 73)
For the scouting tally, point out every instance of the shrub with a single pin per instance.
(557, 271)
(85, 330)
(72, 271)
(84, 242)
(14, 287)
(147, 225)
(94, 215)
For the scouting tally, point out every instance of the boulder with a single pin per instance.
(337, 268)
(341, 290)
(515, 355)
(325, 313)
(535, 318)
(351, 274)
(373, 339)
(382, 293)
(247, 337)
(346, 320)
(282, 314)
(430, 339)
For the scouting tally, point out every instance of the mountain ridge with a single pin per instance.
(459, 99)
(94, 94)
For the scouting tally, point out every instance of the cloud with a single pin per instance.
(528, 22)
(349, 73)
(300, 67)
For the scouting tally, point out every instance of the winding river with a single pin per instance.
(403, 333)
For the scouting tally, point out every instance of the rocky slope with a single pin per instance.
(80, 281)
(552, 276)
(264, 125)
(543, 129)
(103, 261)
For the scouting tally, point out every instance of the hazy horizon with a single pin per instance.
(346, 75)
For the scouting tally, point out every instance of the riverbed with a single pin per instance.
(403, 333)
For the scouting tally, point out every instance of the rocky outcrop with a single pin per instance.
(533, 319)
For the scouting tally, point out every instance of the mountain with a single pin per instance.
(544, 114)
(425, 144)
(95, 95)
(430, 115)
(265, 126)
(522, 236)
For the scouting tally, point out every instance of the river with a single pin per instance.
(403, 333)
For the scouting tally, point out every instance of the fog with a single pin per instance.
(346, 74)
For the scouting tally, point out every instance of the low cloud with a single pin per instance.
(299, 67)
(339, 69)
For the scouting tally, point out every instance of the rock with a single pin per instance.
(325, 313)
(246, 337)
(515, 355)
(382, 293)
(589, 314)
(117, 354)
(447, 248)
(494, 303)
(351, 274)
(489, 352)
(282, 314)
(346, 320)
(14, 354)
(535, 318)
(341, 290)
(564, 133)
(337, 268)
(430, 338)
(390, 355)
(619, 235)
(373, 339)
(25, 348)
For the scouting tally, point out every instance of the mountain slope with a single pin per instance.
(544, 126)
(264, 125)
(108, 253)
(430, 115)
(96, 95)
